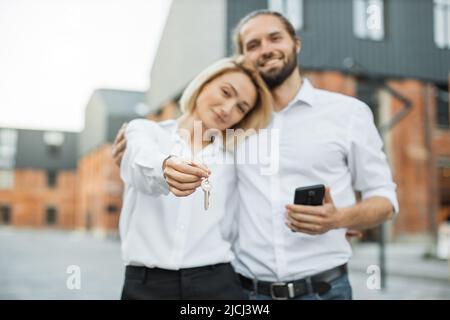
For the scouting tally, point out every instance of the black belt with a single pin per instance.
(137, 272)
(319, 283)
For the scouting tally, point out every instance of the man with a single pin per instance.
(287, 251)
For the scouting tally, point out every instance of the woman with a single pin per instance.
(180, 247)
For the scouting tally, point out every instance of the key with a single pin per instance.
(206, 187)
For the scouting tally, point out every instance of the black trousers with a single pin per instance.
(202, 283)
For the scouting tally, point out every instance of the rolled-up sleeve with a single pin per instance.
(368, 164)
(141, 165)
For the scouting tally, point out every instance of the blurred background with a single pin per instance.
(73, 71)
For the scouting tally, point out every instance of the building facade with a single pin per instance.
(37, 178)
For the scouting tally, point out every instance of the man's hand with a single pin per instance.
(353, 234)
(119, 145)
(184, 176)
(313, 220)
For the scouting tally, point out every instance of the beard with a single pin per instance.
(275, 78)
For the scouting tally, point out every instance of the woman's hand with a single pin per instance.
(183, 176)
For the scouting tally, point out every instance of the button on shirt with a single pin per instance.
(160, 230)
(319, 138)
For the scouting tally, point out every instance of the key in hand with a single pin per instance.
(206, 187)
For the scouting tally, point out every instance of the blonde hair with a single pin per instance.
(257, 118)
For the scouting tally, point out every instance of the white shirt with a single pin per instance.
(324, 138)
(160, 230)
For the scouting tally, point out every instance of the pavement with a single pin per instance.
(409, 274)
(36, 264)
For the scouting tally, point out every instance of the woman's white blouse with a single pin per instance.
(160, 230)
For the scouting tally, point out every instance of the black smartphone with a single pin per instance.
(310, 196)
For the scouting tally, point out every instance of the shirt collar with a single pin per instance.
(170, 125)
(306, 94)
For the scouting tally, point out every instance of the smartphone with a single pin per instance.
(310, 196)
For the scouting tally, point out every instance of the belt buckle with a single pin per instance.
(290, 290)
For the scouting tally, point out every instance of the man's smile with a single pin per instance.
(270, 62)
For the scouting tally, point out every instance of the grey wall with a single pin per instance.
(106, 111)
(32, 152)
(114, 124)
(94, 132)
(193, 38)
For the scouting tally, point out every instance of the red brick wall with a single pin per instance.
(412, 158)
(170, 110)
(99, 186)
(332, 81)
(30, 197)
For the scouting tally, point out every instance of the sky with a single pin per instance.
(55, 53)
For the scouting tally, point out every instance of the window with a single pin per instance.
(291, 9)
(442, 106)
(368, 19)
(8, 146)
(52, 178)
(8, 137)
(5, 214)
(442, 23)
(6, 157)
(6, 179)
(51, 216)
(444, 181)
(88, 221)
(54, 142)
(111, 209)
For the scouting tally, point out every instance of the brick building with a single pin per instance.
(37, 178)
